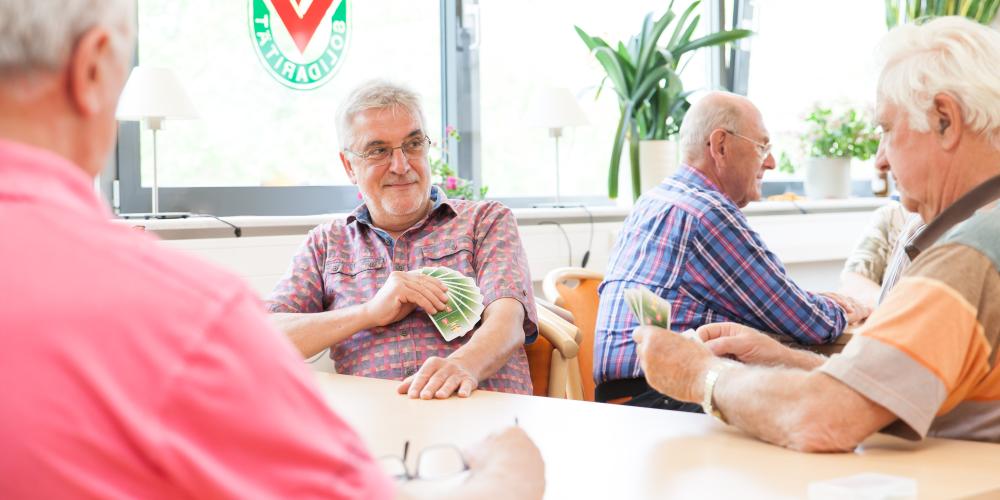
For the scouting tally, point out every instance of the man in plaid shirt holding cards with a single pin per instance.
(397, 289)
(688, 242)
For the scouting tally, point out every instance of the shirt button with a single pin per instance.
(410, 372)
(399, 267)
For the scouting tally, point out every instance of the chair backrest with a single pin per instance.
(552, 358)
(575, 289)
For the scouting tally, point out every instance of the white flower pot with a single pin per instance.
(657, 161)
(828, 178)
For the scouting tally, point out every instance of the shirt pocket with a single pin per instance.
(457, 254)
(353, 281)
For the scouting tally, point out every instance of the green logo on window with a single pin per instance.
(301, 43)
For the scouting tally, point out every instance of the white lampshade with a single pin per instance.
(553, 108)
(154, 93)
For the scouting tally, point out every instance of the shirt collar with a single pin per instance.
(690, 176)
(438, 199)
(33, 173)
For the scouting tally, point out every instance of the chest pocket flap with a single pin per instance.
(338, 265)
(447, 248)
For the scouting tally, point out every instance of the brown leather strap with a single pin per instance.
(959, 211)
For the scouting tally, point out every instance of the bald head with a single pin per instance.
(716, 110)
(723, 137)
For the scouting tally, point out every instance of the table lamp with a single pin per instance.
(152, 95)
(555, 108)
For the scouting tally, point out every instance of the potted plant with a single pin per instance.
(981, 11)
(644, 76)
(444, 176)
(831, 140)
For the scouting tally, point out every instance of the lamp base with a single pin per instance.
(160, 215)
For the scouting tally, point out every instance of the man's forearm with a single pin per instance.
(313, 332)
(803, 359)
(798, 409)
(492, 345)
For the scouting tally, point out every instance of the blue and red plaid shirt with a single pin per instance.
(690, 244)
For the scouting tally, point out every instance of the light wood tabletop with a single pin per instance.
(595, 450)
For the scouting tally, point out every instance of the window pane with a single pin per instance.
(254, 131)
(528, 45)
(796, 62)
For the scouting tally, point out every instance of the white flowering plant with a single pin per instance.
(846, 134)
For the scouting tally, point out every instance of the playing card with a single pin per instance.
(648, 308)
(451, 324)
(655, 310)
(465, 303)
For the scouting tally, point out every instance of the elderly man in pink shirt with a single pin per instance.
(130, 371)
(355, 284)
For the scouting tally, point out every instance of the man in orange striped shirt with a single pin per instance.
(925, 363)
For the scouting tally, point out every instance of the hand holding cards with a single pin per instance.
(464, 306)
(651, 309)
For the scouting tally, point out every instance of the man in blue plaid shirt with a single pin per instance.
(688, 241)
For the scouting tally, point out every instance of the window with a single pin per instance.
(526, 45)
(252, 130)
(798, 61)
(260, 148)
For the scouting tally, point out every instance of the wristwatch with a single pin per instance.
(711, 377)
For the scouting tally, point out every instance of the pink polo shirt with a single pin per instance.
(131, 371)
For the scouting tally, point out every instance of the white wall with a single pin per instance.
(813, 247)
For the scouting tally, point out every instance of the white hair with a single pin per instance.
(40, 34)
(375, 94)
(948, 55)
(714, 111)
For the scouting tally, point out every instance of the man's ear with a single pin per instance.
(946, 121)
(348, 168)
(90, 68)
(717, 143)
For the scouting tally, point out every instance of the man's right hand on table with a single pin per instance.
(402, 293)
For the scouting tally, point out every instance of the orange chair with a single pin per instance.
(575, 289)
(552, 358)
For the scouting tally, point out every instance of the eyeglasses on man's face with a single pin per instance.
(414, 148)
(762, 149)
(433, 463)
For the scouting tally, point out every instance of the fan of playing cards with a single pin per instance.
(651, 309)
(465, 303)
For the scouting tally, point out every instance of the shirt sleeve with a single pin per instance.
(300, 290)
(242, 419)
(870, 256)
(924, 350)
(738, 275)
(502, 265)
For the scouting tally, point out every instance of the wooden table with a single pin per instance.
(604, 451)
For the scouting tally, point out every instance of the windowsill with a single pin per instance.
(206, 227)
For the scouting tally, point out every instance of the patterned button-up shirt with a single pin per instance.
(344, 263)
(689, 243)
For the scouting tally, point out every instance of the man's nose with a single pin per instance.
(398, 163)
(881, 160)
(769, 162)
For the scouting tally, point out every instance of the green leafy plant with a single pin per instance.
(645, 78)
(446, 177)
(981, 11)
(846, 134)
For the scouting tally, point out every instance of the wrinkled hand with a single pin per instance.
(510, 460)
(853, 308)
(743, 343)
(402, 293)
(673, 365)
(439, 378)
